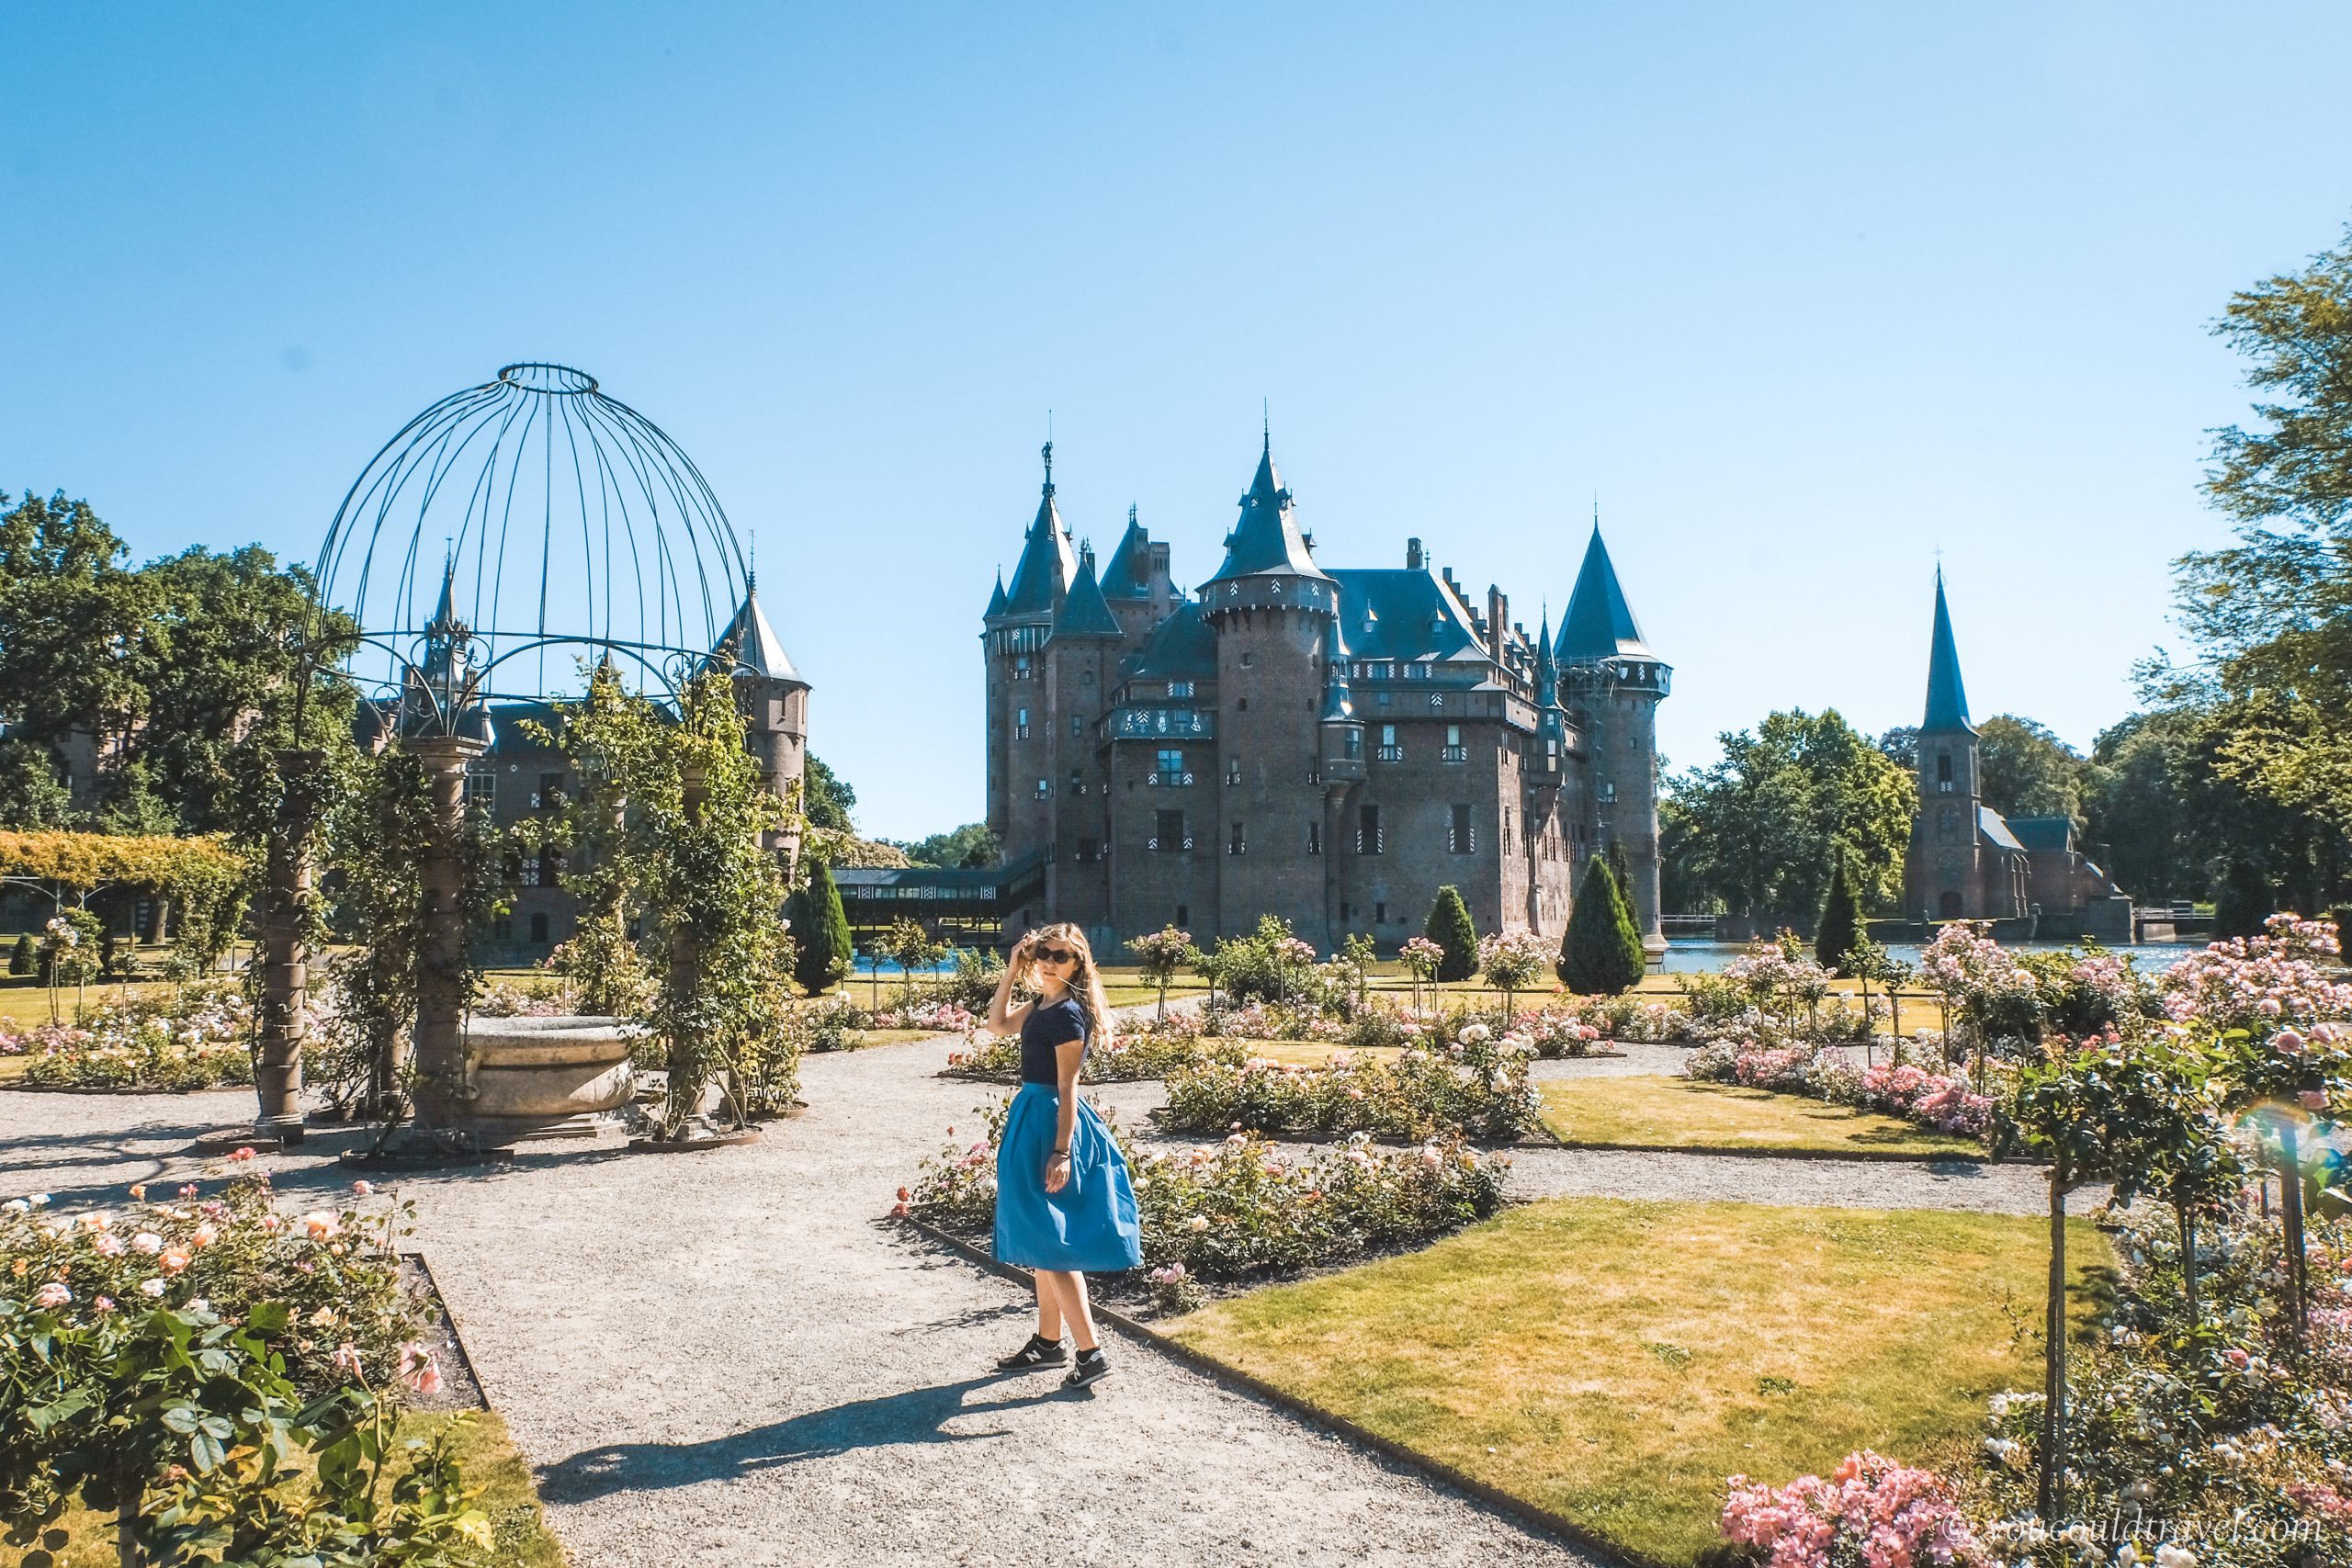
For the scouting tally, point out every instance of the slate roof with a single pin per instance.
(1266, 541)
(1125, 577)
(1996, 828)
(1048, 563)
(996, 600)
(1599, 623)
(1182, 648)
(757, 648)
(2043, 833)
(1947, 698)
(1083, 613)
(1339, 705)
(1400, 613)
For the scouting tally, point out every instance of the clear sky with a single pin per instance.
(1804, 293)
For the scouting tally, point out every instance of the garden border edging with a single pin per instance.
(1560, 1526)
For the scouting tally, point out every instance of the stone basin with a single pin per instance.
(546, 1077)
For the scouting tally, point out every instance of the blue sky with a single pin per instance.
(1804, 293)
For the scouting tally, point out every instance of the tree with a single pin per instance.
(1360, 953)
(827, 799)
(912, 948)
(1510, 961)
(1163, 956)
(1762, 829)
(821, 927)
(1839, 927)
(2028, 771)
(1450, 926)
(1600, 953)
(1422, 958)
(972, 847)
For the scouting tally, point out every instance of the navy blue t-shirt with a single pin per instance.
(1045, 1029)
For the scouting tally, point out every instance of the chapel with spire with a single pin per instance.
(1328, 745)
(1969, 861)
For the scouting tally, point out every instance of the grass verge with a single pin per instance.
(1658, 1112)
(519, 1533)
(1611, 1361)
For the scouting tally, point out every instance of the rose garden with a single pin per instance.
(336, 1234)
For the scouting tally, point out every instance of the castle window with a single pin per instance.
(1247, 659)
(1241, 704)
(1390, 751)
(1077, 782)
(1086, 851)
(1353, 744)
(1183, 914)
(1455, 751)
(1233, 770)
(539, 928)
(1315, 843)
(1087, 678)
(1379, 913)
(1609, 789)
(1021, 670)
(1461, 838)
(1076, 726)
(1506, 829)
(1236, 844)
(481, 789)
(1169, 767)
(1179, 688)
(1368, 840)
(1167, 834)
(1943, 767)
(1045, 788)
(1384, 699)
(1021, 724)
(551, 866)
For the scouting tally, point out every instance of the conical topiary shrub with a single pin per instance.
(1449, 925)
(23, 958)
(1600, 953)
(1841, 924)
(819, 930)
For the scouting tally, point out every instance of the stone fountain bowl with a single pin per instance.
(565, 1076)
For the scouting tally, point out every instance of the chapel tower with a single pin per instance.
(1944, 875)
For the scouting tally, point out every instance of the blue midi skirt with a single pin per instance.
(1089, 1225)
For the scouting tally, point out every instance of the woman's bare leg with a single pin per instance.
(1075, 1309)
(1049, 1307)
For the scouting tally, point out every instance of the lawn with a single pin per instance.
(519, 1533)
(1660, 1111)
(22, 1007)
(1613, 1360)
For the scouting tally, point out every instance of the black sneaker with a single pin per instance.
(1039, 1352)
(1090, 1368)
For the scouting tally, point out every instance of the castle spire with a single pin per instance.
(1047, 566)
(1599, 623)
(1947, 698)
(1266, 541)
(1338, 701)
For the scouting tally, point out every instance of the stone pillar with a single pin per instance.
(686, 966)
(439, 1032)
(285, 957)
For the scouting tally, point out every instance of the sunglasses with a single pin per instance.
(1056, 956)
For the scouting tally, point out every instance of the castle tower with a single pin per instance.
(1614, 682)
(1082, 657)
(1137, 584)
(1944, 873)
(1270, 607)
(774, 701)
(1548, 831)
(1019, 623)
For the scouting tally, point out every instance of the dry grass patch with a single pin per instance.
(1672, 1112)
(1614, 1361)
(519, 1533)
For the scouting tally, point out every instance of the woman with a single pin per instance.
(1064, 1204)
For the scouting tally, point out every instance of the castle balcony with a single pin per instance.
(1337, 771)
(1158, 723)
(1168, 781)
(1169, 846)
(1389, 753)
(1453, 753)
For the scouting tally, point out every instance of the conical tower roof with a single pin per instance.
(1548, 668)
(1947, 698)
(996, 600)
(1083, 612)
(1125, 578)
(1048, 563)
(1338, 701)
(1266, 541)
(758, 650)
(1599, 623)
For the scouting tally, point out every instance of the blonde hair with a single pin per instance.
(1085, 980)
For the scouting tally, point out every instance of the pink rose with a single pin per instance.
(347, 1359)
(364, 1189)
(51, 1296)
(899, 1211)
(321, 1224)
(173, 1260)
(147, 1243)
(2315, 1099)
(102, 1304)
(420, 1369)
(108, 1245)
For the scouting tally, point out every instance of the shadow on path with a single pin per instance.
(915, 1416)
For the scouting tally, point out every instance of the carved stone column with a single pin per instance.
(285, 956)
(439, 1032)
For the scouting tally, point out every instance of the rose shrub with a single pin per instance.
(167, 1362)
(1901, 1087)
(1129, 1058)
(1239, 1209)
(198, 1038)
(1475, 1088)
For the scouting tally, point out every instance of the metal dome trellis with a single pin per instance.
(527, 515)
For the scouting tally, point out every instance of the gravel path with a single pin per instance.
(727, 1358)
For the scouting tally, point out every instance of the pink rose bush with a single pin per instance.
(1240, 1208)
(1938, 1101)
(198, 1040)
(1129, 1057)
(1475, 1088)
(1870, 1513)
(941, 1014)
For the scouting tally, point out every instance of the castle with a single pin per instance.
(1328, 746)
(1969, 861)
